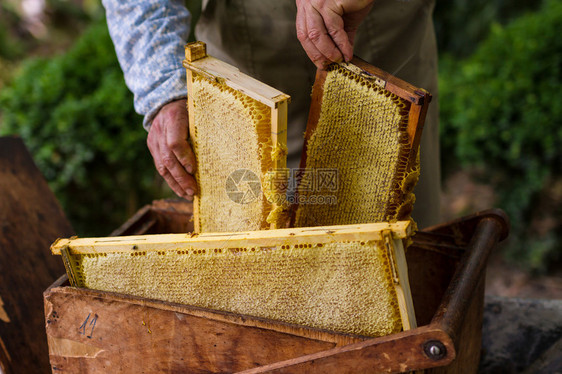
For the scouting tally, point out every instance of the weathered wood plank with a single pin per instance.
(92, 331)
(396, 353)
(30, 219)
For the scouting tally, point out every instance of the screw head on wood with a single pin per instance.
(434, 349)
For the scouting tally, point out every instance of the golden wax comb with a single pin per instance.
(361, 145)
(238, 131)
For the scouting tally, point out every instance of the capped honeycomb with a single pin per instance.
(338, 278)
(361, 136)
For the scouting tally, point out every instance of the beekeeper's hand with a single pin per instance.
(327, 28)
(172, 154)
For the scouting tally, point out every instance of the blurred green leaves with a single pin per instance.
(501, 112)
(76, 116)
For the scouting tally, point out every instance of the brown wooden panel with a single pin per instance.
(93, 332)
(430, 273)
(396, 353)
(30, 220)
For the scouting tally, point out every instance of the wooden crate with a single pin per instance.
(91, 331)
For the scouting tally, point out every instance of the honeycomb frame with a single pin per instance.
(365, 87)
(349, 279)
(238, 132)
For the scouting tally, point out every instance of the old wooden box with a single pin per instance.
(91, 331)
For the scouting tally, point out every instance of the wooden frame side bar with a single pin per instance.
(402, 283)
(279, 116)
(193, 51)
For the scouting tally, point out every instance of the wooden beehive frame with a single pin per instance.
(391, 234)
(417, 98)
(198, 62)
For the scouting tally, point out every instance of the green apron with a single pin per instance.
(259, 37)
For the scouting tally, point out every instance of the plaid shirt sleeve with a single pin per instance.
(149, 36)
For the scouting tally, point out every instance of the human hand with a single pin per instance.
(327, 28)
(172, 154)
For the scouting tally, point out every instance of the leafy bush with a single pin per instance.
(76, 116)
(501, 112)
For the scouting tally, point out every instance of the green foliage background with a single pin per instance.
(500, 113)
(76, 116)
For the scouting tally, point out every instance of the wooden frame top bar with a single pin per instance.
(262, 238)
(218, 71)
(397, 86)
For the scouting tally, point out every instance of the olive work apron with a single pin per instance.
(259, 38)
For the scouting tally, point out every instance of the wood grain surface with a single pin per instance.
(30, 220)
(92, 332)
